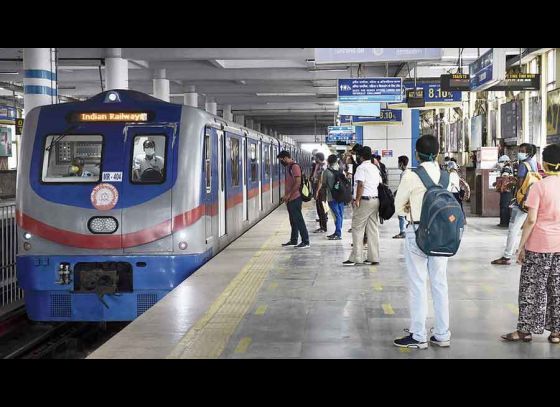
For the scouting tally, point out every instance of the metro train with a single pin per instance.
(102, 236)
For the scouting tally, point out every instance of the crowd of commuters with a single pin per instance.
(536, 218)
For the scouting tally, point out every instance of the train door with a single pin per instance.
(221, 184)
(269, 167)
(210, 157)
(244, 172)
(146, 188)
(260, 165)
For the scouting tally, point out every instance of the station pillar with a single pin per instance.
(161, 85)
(227, 113)
(116, 69)
(211, 106)
(240, 119)
(191, 97)
(39, 78)
(249, 123)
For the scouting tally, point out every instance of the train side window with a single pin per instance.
(207, 161)
(254, 162)
(234, 161)
(267, 161)
(148, 159)
(72, 158)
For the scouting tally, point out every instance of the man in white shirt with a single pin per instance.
(366, 211)
(408, 202)
(148, 160)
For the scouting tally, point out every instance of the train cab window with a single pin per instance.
(254, 162)
(148, 159)
(234, 148)
(72, 158)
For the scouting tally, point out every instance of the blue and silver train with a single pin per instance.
(123, 196)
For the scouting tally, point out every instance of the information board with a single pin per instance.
(345, 134)
(359, 109)
(370, 90)
(353, 55)
(7, 114)
(488, 70)
(387, 116)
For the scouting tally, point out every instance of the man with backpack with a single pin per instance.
(382, 170)
(527, 174)
(435, 226)
(293, 200)
(366, 211)
(338, 191)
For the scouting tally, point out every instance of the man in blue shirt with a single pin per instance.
(526, 157)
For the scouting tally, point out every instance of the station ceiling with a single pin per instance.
(281, 88)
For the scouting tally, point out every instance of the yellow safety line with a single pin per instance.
(373, 269)
(387, 309)
(513, 308)
(273, 285)
(488, 288)
(243, 345)
(209, 336)
(404, 350)
(377, 287)
(261, 309)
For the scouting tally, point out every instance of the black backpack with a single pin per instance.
(342, 188)
(386, 202)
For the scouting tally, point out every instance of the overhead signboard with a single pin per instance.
(434, 96)
(111, 117)
(7, 114)
(456, 82)
(359, 55)
(341, 133)
(370, 90)
(519, 82)
(359, 109)
(387, 116)
(488, 70)
(553, 117)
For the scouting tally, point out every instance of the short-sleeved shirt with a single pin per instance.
(142, 163)
(369, 174)
(329, 179)
(544, 196)
(522, 171)
(292, 171)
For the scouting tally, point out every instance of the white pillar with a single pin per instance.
(116, 70)
(227, 113)
(249, 123)
(211, 106)
(39, 77)
(240, 119)
(161, 85)
(191, 97)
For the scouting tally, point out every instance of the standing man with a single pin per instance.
(383, 170)
(408, 202)
(320, 194)
(327, 184)
(403, 163)
(366, 211)
(527, 163)
(292, 198)
(504, 187)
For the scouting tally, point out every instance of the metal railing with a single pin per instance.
(10, 293)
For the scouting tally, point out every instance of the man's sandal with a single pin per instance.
(554, 338)
(502, 261)
(517, 336)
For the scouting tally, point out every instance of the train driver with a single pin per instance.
(77, 168)
(147, 161)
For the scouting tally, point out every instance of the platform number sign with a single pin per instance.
(112, 176)
(19, 126)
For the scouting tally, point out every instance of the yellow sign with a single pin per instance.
(113, 117)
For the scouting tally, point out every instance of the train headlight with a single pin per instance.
(27, 236)
(183, 245)
(103, 225)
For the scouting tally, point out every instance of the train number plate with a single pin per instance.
(112, 176)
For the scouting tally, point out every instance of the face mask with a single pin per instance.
(521, 156)
(150, 151)
(74, 169)
(551, 169)
(283, 163)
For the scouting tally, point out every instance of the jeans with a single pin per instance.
(296, 221)
(505, 210)
(338, 209)
(514, 232)
(402, 224)
(419, 267)
(365, 218)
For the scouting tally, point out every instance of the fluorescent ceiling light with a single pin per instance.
(328, 70)
(9, 73)
(287, 94)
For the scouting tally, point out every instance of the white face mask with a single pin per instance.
(150, 151)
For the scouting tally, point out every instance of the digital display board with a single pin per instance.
(456, 82)
(110, 117)
(341, 133)
(370, 90)
(387, 116)
(519, 82)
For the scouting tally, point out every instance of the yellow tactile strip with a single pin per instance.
(209, 336)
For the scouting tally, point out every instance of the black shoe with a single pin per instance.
(371, 263)
(302, 246)
(409, 342)
(319, 231)
(289, 244)
(399, 236)
(348, 263)
(317, 220)
(442, 344)
(334, 237)
(350, 230)
(329, 236)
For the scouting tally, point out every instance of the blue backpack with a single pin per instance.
(442, 221)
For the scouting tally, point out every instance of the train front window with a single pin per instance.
(148, 161)
(72, 159)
